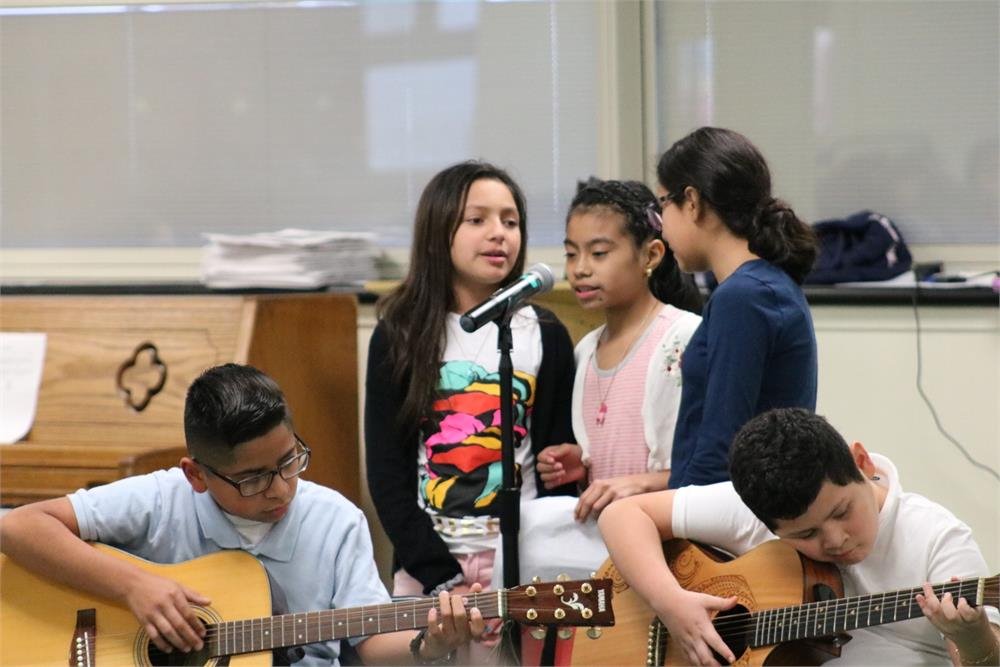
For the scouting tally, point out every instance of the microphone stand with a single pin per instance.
(509, 495)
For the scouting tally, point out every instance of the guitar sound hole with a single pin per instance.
(146, 653)
(737, 637)
(158, 657)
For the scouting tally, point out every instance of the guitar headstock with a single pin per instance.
(585, 602)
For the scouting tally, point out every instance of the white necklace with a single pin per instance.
(459, 333)
(602, 410)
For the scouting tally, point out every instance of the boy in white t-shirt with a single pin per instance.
(794, 478)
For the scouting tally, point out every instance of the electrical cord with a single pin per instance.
(927, 400)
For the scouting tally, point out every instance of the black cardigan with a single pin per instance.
(391, 456)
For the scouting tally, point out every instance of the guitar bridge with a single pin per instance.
(656, 644)
(81, 647)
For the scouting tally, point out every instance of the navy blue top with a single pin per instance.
(754, 350)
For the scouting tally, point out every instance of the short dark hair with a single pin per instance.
(229, 405)
(781, 458)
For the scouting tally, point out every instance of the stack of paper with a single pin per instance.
(290, 258)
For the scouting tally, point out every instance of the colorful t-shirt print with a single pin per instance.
(458, 459)
(461, 439)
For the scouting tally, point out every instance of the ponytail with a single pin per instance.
(732, 178)
(780, 237)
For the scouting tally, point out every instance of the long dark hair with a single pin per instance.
(732, 178)
(640, 213)
(414, 314)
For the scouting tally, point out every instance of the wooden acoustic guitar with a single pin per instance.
(790, 609)
(44, 623)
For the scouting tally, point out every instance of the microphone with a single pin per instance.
(537, 279)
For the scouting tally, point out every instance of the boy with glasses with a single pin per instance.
(237, 489)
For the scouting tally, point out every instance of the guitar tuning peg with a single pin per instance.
(565, 633)
(594, 633)
(536, 579)
(537, 632)
(593, 575)
(563, 577)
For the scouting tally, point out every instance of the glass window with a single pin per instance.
(147, 124)
(890, 106)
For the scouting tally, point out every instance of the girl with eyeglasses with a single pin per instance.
(628, 379)
(755, 348)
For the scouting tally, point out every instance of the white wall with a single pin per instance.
(867, 389)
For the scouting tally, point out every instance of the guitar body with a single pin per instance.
(772, 575)
(38, 617)
(43, 623)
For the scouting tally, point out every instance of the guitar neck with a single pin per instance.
(261, 634)
(820, 619)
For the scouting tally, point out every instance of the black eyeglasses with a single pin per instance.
(261, 482)
(670, 197)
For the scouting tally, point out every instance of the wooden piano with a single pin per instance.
(117, 368)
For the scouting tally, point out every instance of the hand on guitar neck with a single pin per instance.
(966, 627)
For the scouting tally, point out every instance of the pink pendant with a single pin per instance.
(601, 413)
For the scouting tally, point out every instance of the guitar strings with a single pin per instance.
(315, 621)
(736, 625)
(323, 618)
(841, 608)
(951, 587)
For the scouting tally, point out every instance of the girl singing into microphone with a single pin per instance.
(432, 414)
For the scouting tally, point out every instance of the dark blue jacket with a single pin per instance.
(754, 350)
(865, 246)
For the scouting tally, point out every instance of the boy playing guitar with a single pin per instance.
(795, 479)
(238, 488)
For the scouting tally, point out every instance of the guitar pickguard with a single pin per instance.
(688, 566)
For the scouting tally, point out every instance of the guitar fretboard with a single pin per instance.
(819, 619)
(260, 634)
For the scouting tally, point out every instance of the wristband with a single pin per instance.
(985, 660)
(448, 585)
(417, 642)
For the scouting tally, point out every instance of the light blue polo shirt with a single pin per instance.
(320, 553)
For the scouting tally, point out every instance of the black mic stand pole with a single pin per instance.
(509, 495)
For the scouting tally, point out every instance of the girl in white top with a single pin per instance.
(628, 382)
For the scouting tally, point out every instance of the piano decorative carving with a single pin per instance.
(117, 369)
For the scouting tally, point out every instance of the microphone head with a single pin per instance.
(544, 274)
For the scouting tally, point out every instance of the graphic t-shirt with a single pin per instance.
(459, 455)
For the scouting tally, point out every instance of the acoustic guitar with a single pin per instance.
(44, 623)
(790, 609)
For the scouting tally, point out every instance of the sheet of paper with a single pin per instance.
(22, 357)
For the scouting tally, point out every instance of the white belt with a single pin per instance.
(466, 526)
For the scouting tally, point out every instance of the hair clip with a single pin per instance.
(653, 218)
